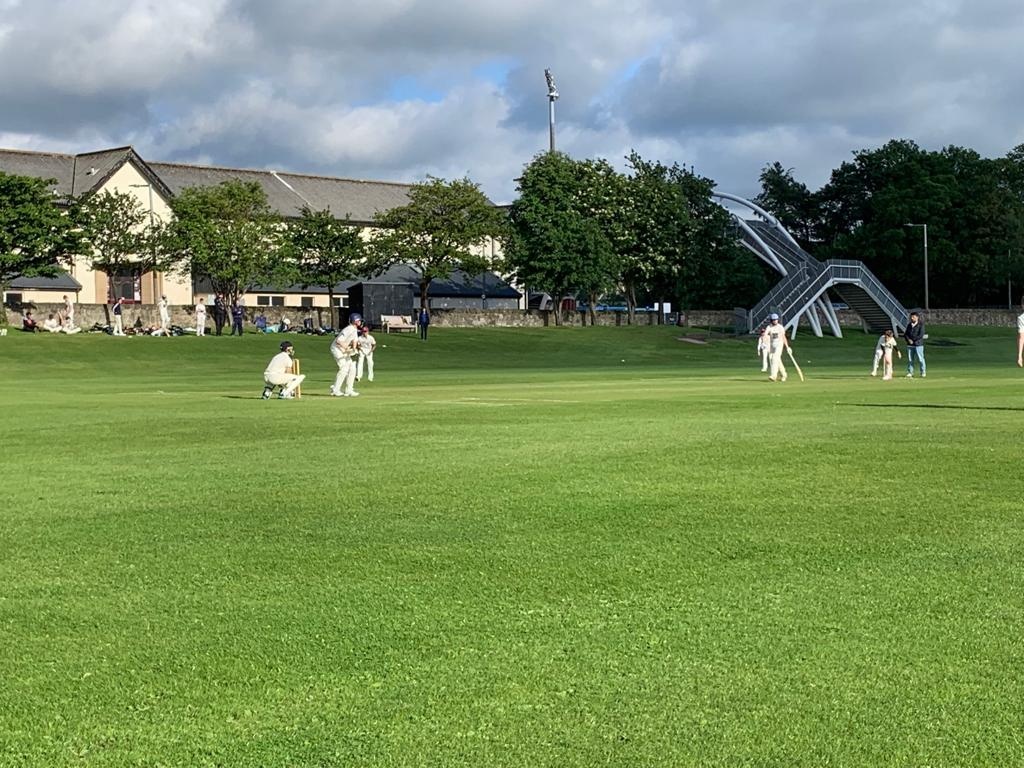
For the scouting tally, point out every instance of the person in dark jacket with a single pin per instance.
(237, 318)
(220, 312)
(914, 336)
(424, 323)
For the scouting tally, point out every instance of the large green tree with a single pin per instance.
(227, 233)
(561, 238)
(36, 236)
(791, 202)
(443, 227)
(325, 251)
(117, 232)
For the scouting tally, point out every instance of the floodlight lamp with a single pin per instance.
(552, 90)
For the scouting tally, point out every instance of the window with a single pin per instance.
(126, 285)
(277, 301)
(306, 301)
(13, 299)
(262, 301)
(341, 301)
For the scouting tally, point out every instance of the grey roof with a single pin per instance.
(459, 284)
(40, 165)
(62, 282)
(289, 193)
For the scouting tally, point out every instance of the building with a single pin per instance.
(122, 170)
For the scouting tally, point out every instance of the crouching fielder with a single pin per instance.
(777, 343)
(280, 373)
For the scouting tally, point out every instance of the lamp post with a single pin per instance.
(924, 228)
(552, 97)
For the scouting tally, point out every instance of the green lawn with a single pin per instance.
(543, 547)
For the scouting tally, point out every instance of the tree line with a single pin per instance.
(578, 228)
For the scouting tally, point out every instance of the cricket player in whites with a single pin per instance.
(344, 349)
(777, 343)
(762, 348)
(1020, 338)
(281, 373)
(366, 346)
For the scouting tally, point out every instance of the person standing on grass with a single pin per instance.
(201, 317)
(888, 344)
(237, 317)
(763, 345)
(777, 343)
(424, 323)
(1020, 338)
(914, 336)
(366, 345)
(118, 312)
(220, 312)
(281, 373)
(344, 349)
(165, 316)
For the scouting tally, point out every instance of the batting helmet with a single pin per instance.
(355, 317)
(286, 345)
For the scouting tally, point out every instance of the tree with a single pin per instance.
(437, 231)
(227, 233)
(114, 229)
(790, 201)
(560, 238)
(36, 236)
(325, 251)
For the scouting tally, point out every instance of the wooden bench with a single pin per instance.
(397, 323)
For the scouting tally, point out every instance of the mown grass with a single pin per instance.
(519, 547)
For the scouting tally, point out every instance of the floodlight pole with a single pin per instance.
(924, 228)
(552, 97)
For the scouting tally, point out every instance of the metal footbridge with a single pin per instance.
(806, 282)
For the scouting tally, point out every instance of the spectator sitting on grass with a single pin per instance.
(51, 324)
(28, 323)
(260, 321)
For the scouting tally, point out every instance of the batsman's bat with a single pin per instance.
(795, 364)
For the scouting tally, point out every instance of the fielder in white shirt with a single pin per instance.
(366, 344)
(777, 342)
(1020, 340)
(343, 350)
(201, 317)
(69, 313)
(165, 316)
(762, 348)
(888, 344)
(280, 373)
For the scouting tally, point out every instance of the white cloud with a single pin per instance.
(396, 89)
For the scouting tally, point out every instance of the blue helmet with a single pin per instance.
(355, 317)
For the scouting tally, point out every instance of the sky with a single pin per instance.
(396, 90)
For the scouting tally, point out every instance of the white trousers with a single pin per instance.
(287, 380)
(777, 368)
(346, 373)
(118, 327)
(877, 360)
(200, 325)
(764, 359)
(369, 366)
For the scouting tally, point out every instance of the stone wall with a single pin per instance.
(86, 315)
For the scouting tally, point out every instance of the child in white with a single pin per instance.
(201, 317)
(888, 344)
(762, 348)
(280, 373)
(69, 314)
(343, 350)
(366, 345)
(777, 342)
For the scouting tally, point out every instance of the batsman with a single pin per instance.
(777, 344)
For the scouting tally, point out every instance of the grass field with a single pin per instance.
(545, 547)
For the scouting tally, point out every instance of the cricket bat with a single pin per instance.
(795, 364)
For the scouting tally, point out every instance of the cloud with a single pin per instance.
(397, 89)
